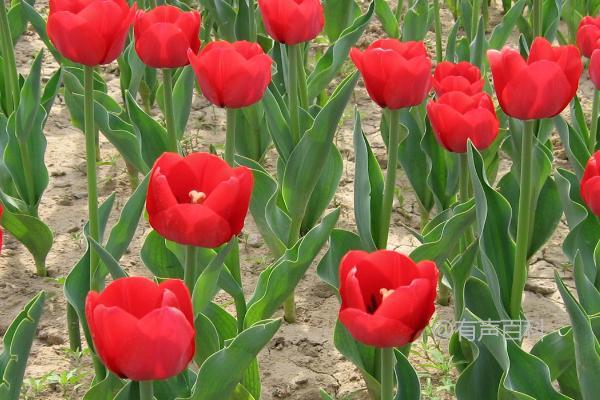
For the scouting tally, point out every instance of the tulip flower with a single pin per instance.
(164, 35)
(198, 200)
(590, 184)
(457, 117)
(594, 68)
(232, 75)
(292, 21)
(540, 87)
(396, 74)
(588, 34)
(142, 330)
(387, 299)
(90, 32)
(463, 77)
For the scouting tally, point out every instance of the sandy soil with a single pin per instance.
(301, 359)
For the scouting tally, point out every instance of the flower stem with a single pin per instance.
(524, 221)
(146, 390)
(289, 306)
(293, 105)
(11, 78)
(169, 113)
(594, 126)
(190, 273)
(439, 55)
(230, 137)
(390, 177)
(92, 184)
(388, 361)
(537, 18)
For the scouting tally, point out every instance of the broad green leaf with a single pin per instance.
(207, 339)
(340, 242)
(159, 259)
(502, 31)
(387, 18)
(278, 280)
(107, 259)
(339, 15)
(409, 387)
(235, 358)
(17, 342)
(183, 91)
(416, 21)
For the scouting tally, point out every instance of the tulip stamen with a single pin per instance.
(385, 293)
(197, 197)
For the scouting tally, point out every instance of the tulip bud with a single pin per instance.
(590, 184)
(588, 34)
(292, 21)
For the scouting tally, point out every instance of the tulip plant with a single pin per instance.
(490, 95)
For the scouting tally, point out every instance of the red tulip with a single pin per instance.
(292, 21)
(594, 68)
(142, 330)
(387, 299)
(90, 32)
(588, 34)
(232, 75)
(198, 200)
(397, 74)
(456, 117)
(164, 35)
(463, 77)
(590, 184)
(540, 87)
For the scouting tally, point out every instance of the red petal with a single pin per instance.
(374, 330)
(75, 38)
(183, 296)
(135, 295)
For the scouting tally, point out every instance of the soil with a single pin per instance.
(301, 359)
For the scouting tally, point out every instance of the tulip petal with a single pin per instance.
(75, 38)
(125, 293)
(375, 330)
(182, 293)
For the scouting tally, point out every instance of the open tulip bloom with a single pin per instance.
(387, 301)
(141, 330)
(588, 34)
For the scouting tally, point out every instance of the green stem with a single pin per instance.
(302, 85)
(11, 77)
(594, 126)
(289, 306)
(524, 221)
(388, 361)
(537, 18)
(92, 180)
(393, 117)
(474, 19)
(169, 113)
(190, 272)
(293, 92)
(146, 390)
(438, 32)
(73, 329)
(230, 137)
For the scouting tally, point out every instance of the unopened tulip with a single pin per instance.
(590, 184)
(594, 68)
(456, 117)
(90, 32)
(396, 74)
(232, 75)
(164, 35)
(463, 77)
(142, 330)
(292, 21)
(540, 87)
(387, 299)
(198, 200)
(588, 34)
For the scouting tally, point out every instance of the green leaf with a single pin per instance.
(207, 339)
(587, 354)
(339, 15)
(502, 31)
(278, 280)
(416, 21)
(111, 264)
(312, 150)
(30, 231)
(574, 144)
(159, 259)
(235, 358)
(409, 387)
(277, 116)
(106, 389)
(368, 188)
(329, 64)
(387, 18)
(206, 284)
(17, 342)
(183, 91)
(340, 242)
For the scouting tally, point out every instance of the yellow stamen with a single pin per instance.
(197, 197)
(385, 293)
